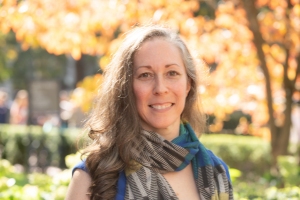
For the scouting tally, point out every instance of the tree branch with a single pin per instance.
(297, 72)
(287, 82)
(289, 4)
(292, 82)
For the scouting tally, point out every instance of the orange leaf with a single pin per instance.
(291, 73)
(104, 61)
(76, 53)
(296, 9)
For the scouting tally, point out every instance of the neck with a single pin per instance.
(169, 132)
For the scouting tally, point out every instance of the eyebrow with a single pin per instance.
(149, 67)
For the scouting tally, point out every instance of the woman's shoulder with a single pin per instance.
(80, 183)
(79, 175)
(81, 165)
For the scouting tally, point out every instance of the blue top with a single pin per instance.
(121, 185)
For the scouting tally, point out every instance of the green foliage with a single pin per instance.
(259, 188)
(17, 140)
(247, 156)
(8, 54)
(7, 171)
(72, 159)
(292, 193)
(258, 191)
(38, 186)
(234, 174)
(289, 169)
(250, 161)
(249, 190)
(19, 64)
(245, 153)
(34, 186)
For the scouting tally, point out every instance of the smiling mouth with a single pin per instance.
(160, 107)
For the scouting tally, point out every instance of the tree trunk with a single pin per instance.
(288, 87)
(283, 140)
(279, 137)
(80, 69)
(258, 42)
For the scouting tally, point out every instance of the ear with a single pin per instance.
(188, 86)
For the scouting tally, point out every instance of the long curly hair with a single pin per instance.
(113, 127)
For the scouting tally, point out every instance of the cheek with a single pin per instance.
(140, 95)
(181, 90)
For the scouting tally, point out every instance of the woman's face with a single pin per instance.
(160, 84)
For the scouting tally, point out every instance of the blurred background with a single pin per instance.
(53, 54)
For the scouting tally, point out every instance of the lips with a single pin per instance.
(161, 106)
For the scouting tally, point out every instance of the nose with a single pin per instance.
(160, 86)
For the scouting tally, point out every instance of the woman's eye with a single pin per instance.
(144, 75)
(173, 73)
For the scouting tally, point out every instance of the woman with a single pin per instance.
(142, 142)
(19, 108)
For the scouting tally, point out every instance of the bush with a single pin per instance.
(38, 186)
(34, 186)
(289, 170)
(292, 193)
(246, 153)
(18, 142)
(248, 157)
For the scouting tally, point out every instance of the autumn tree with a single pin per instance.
(250, 48)
(276, 29)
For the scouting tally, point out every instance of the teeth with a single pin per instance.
(161, 106)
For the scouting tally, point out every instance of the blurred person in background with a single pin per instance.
(142, 143)
(4, 111)
(66, 108)
(19, 108)
(78, 116)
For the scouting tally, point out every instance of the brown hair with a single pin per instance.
(114, 124)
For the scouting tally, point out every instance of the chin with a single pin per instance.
(160, 124)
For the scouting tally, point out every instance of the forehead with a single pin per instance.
(157, 51)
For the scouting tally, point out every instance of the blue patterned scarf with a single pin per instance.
(159, 156)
